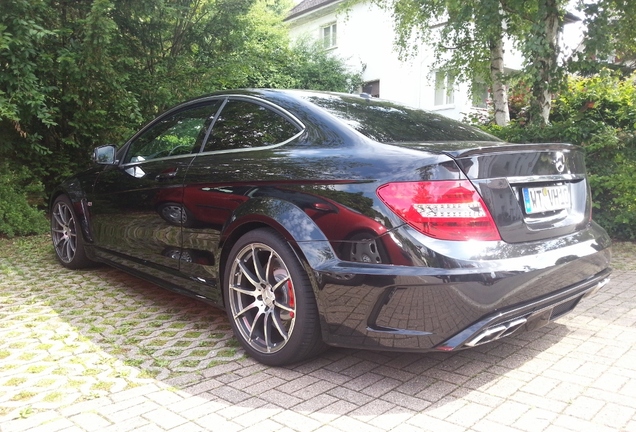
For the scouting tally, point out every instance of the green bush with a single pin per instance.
(598, 113)
(19, 196)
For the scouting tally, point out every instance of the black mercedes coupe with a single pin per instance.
(320, 219)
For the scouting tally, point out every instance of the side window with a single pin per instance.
(243, 125)
(178, 134)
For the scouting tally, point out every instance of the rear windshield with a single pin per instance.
(388, 122)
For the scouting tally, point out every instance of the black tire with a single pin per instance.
(269, 300)
(66, 235)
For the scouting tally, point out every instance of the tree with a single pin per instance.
(74, 75)
(538, 42)
(610, 36)
(467, 38)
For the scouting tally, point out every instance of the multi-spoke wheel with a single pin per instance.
(269, 300)
(66, 235)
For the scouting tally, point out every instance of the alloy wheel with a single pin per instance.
(64, 232)
(262, 298)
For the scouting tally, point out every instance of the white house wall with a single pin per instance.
(365, 36)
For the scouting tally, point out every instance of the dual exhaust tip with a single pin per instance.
(507, 328)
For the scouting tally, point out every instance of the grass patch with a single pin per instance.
(75, 383)
(182, 344)
(232, 343)
(624, 255)
(192, 334)
(17, 345)
(149, 373)
(45, 382)
(133, 362)
(23, 395)
(143, 333)
(190, 363)
(168, 333)
(26, 412)
(54, 397)
(102, 385)
(15, 381)
(27, 356)
(123, 330)
(44, 346)
(36, 369)
(226, 353)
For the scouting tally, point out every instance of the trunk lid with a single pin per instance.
(533, 191)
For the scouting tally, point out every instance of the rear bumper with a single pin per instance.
(529, 316)
(468, 295)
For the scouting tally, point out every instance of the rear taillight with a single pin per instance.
(447, 210)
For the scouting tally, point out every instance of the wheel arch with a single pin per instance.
(80, 206)
(298, 229)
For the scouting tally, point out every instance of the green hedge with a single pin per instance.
(19, 196)
(598, 113)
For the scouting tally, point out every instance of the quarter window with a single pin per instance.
(177, 134)
(244, 125)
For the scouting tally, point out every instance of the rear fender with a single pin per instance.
(289, 220)
(307, 240)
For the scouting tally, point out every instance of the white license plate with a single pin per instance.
(543, 199)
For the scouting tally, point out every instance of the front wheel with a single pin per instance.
(67, 236)
(269, 300)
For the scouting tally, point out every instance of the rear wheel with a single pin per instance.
(269, 300)
(66, 235)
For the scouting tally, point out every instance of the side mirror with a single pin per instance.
(105, 155)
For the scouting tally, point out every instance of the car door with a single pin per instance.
(235, 160)
(137, 206)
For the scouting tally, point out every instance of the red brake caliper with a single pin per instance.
(290, 297)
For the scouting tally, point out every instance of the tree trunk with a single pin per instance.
(499, 91)
(545, 62)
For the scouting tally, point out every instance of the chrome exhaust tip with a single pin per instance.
(497, 332)
(598, 286)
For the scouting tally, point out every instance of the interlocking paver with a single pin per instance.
(406, 401)
(91, 421)
(101, 350)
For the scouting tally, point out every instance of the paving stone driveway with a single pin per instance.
(99, 350)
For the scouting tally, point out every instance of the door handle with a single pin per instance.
(167, 174)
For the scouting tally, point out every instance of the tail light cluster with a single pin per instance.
(447, 210)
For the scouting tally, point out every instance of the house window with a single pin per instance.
(372, 88)
(480, 95)
(329, 36)
(444, 92)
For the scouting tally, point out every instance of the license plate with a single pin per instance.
(544, 199)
